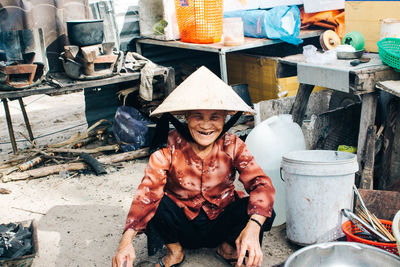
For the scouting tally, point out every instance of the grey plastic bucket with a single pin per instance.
(318, 184)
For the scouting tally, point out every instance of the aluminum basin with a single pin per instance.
(343, 254)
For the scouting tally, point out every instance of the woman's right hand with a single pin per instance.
(125, 252)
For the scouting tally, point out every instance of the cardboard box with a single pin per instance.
(259, 73)
(365, 16)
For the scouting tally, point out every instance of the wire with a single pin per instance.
(41, 136)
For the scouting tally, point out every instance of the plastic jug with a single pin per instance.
(267, 142)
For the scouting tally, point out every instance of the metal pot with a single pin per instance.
(85, 32)
(344, 254)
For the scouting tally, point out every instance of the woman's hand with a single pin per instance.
(125, 252)
(248, 240)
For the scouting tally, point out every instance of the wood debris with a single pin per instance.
(90, 149)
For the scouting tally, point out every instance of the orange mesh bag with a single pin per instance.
(199, 21)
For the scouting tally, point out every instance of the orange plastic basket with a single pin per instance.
(199, 21)
(351, 229)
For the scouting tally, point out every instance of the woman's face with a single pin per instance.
(205, 125)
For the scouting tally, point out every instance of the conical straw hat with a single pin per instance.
(202, 90)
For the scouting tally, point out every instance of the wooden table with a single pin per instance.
(222, 50)
(61, 84)
(362, 80)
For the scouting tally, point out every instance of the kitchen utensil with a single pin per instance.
(351, 216)
(343, 254)
(357, 62)
(349, 55)
(85, 32)
(363, 205)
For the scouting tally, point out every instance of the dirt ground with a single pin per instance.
(80, 217)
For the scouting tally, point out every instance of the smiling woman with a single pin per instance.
(205, 126)
(187, 196)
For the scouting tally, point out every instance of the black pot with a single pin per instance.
(85, 32)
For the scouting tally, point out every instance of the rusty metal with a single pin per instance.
(27, 124)
(20, 75)
(9, 125)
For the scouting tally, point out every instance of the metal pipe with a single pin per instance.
(9, 125)
(27, 124)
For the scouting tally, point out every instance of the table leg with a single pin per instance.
(9, 125)
(27, 124)
(222, 66)
(300, 103)
(367, 119)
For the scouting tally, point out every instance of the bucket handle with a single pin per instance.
(280, 172)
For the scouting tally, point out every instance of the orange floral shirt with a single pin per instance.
(194, 183)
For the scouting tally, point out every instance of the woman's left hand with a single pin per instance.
(248, 240)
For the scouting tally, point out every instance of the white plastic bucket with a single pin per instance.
(268, 142)
(390, 28)
(319, 183)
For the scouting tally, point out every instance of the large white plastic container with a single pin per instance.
(319, 183)
(268, 142)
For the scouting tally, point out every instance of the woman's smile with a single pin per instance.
(205, 126)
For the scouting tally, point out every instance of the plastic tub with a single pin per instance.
(396, 230)
(233, 31)
(319, 183)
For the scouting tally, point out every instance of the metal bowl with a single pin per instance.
(344, 254)
(350, 55)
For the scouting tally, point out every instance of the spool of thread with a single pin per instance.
(355, 39)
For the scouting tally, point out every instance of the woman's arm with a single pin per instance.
(248, 240)
(125, 252)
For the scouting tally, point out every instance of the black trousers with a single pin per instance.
(170, 225)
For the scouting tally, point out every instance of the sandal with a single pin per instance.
(231, 262)
(174, 265)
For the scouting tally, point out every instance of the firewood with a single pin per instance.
(94, 163)
(4, 191)
(44, 171)
(89, 151)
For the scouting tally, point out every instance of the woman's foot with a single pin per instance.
(228, 253)
(174, 257)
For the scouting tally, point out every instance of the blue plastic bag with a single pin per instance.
(130, 128)
(281, 22)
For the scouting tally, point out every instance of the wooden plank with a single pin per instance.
(384, 204)
(367, 176)
(300, 103)
(366, 80)
(368, 113)
(392, 87)
(388, 140)
(69, 85)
